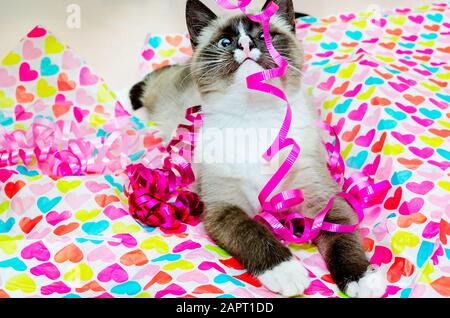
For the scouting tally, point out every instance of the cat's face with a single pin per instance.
(228, 47)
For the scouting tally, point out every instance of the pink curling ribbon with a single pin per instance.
(60, 149)
(359, 190)
(160, 197)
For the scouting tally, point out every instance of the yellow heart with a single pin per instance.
(167, 53)
(52, 46)
(349, 50)
(104, 95)
(433, 142)
(346, 152)
(5, 102)
(424, 8)
(360, 24)
(144, 295)
(122, 228)
(157, 243)
(96, 120)
(431, 87)
(393, 150)
(330, 104)
(445, 76)
(401, 240)
(218, 250)
(81, 272)
(8, 243)
(399, 19)
(444, 123)
(348, 71)
(386, 59)
(11, 59)
(310, 248)
(21, 282)
(181, 264)
(84, 215)
(317, 37)
(4, 207)
(44, 90)
(444, 185)
(67, 186)
(427, 270)
(366, 95)
(427, 43)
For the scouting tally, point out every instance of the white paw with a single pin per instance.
(371, 285)
(289, 278)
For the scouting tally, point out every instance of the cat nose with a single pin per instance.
(246, 46)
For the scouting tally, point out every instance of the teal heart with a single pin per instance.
(83, 240)
(155, 42)
(101, 133)
(447, 253)
(425, 251)
(309, 19)
(354, 35)
(14, 263)
(430, 68)
(405, 293)
(137, 156)
(24, 171)
(329, 46)
(407, 45)
(374, 81)
(95, 228)
(5, 121)
(444, 97)
(432, 114)
(321, 63)
(5, 227)
(47, 68)
(400, 177)
(342, 108)
(387, 124)
(112, 182)
(444, 153)
(437, 17)
(223, 278)
(46, 204)
(392, 71)
(396, 114)
(391, 216)
(129, 288)
(332, 69)
(167, 257)
(358, 161)
(137, 122)
(72, 296)
(429, 36)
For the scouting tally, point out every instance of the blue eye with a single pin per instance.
(224, 42)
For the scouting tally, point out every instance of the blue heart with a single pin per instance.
(309, 19)
(5, 121)
(136, 156)
(46, 204)
(321, 63)
(425, 251)
(5, 227)
(374, 81)
(47, 68)
(14, 263)
(155, 42)
(407, 45)
(396, 114)
(432, 114)
(112, 182)
(72, 296)
(387, 124)
(430, 68)
(358, 161)
(83, 240)
(129, 288)
(444, 153)
(444, 97)
(101, 133)
(429, 36)
(226, 296)
(167, 257)
(332, 69)
(24, 171)
(139, 124)
(329, 46)
(447, 253)
(342, 108)
(392, 71)
(400, 177)
(223, 278)
(435, 17)
(95, 228)
(405, 293)
(355, 35)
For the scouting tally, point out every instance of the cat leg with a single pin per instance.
(346, 259)
(256, 248)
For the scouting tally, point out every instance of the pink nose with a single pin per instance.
(246, 46)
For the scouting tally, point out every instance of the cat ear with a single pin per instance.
(286, 11)
(198, 16)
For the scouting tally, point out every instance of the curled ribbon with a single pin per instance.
(359, 190)
(161, 196)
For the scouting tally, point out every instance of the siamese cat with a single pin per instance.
(227, 49)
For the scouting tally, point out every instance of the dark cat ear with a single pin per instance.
(286, 11)
(198, 16)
